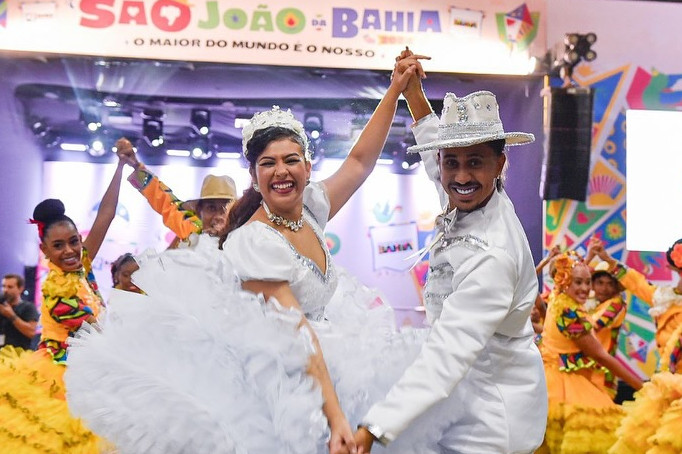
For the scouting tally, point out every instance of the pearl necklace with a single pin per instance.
(294, 226)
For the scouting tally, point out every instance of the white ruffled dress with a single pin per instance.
(198, 365)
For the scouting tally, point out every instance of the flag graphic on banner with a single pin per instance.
(518, 27)
(3, 13)
(636, 347)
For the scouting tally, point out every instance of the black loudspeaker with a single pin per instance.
(566, 166)
(30, 283)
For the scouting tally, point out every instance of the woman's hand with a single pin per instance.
(126, 152)
(410, 63)
(342, 440)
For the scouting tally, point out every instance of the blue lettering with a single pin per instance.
(429, 20)
(343, 25)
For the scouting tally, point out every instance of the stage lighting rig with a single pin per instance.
(201, 149)
(313, 125)
(91, 120)
(577, 47)
(152, 127)
(201, 121)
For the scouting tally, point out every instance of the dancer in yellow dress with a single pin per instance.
(653, 420)
(607, 317)
(582, 417)
(33, 408)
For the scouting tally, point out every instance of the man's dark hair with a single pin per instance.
(19, 279)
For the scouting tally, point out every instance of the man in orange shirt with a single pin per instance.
(207, 214)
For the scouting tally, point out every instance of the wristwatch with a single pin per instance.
(377, 433)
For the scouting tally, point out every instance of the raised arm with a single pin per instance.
(633, 281)
(341, 434)
(556, 250)
(417, 102)
(107, 207)
(160, 197)
(364, 154)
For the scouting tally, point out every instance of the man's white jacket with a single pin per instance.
(480, 352)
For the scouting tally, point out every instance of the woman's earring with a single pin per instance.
(307, 182)
(498, 183)
(255, 187)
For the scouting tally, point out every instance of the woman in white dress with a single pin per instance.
(283, 214)
(244, 384)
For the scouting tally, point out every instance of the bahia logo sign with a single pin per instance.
(178, 15)
(347, 22)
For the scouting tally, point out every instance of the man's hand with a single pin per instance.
(7, 311)
(403, 62)
(363, 440)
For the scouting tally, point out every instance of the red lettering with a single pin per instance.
(170, 15)
(133, 12)
(103, 17)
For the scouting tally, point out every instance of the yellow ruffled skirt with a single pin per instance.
(33, 410)
(582, 417)
(653, 421)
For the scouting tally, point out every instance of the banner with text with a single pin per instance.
(493, 37)
(393, 245)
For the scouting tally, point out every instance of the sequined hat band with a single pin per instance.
(473, 119)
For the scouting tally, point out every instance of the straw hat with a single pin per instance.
(467, 121)
(213, 187)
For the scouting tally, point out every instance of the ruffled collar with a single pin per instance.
(560, 302)
(80, 272)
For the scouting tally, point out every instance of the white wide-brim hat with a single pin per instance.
(473, 119)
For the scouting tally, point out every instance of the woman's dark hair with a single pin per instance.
(48, 213)
(118, 263)
(243, 209)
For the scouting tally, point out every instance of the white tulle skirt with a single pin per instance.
(198, 365)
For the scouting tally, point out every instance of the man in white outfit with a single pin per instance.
(478, 296)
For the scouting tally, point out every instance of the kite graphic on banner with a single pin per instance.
(518, 28)
(3, 13)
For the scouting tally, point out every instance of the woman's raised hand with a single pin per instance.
(406, 61)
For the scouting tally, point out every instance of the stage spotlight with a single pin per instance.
(403, 162)
(152, 130)
(201, 121)
(50, 139)
(91, 120)
(200, 149)
(577, 48)
(96, 148)
(38, 127)
(410, 161)
(44, 133)
(313, 124)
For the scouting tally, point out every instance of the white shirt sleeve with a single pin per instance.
(425, 130)
(257, 253)
(484, 285)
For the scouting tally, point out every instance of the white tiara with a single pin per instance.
(275, 117)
